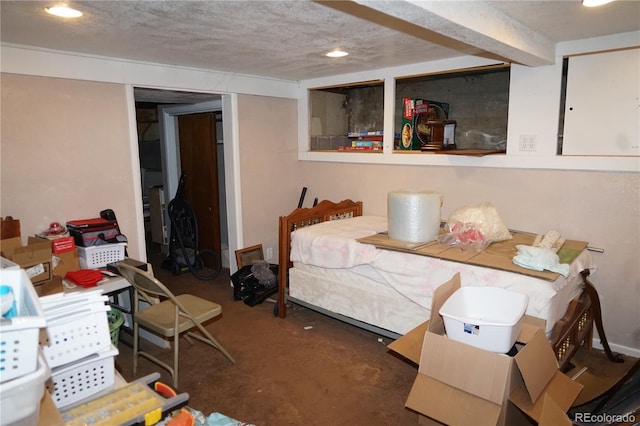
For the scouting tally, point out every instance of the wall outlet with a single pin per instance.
(528, 143)
(269, 254)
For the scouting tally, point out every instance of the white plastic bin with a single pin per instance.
(19, 335)
(77, 326)
(95, 257)
(485, 317)
(82, 379)
(20, 397)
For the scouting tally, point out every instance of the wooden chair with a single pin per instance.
(171, 317)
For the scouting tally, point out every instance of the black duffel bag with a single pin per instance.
(248, 288)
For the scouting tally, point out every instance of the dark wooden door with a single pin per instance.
(199, 160)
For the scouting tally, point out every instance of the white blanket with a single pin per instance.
(333, 244)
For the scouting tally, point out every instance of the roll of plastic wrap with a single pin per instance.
(414, 216)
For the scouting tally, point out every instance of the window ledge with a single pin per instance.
(586, 163)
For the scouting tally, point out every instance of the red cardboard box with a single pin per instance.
(62, 245)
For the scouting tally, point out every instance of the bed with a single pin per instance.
(335, 260)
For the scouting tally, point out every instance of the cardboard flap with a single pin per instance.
(440, 295)
(410, 345)
(449, 405)
(467, 368)
(552, 414)
(530, 326)
(37, 250)
(65, 262)
(537, 364)
(561, 389)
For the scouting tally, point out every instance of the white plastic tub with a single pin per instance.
(19, 335)
(486, 317)
(20, 397)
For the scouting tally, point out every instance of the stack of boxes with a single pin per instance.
(46, 260)
(63, 337)
(77, 346)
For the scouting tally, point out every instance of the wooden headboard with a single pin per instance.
(300, 218)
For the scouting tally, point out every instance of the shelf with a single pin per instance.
(475, 100)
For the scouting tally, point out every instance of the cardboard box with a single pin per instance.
(9, 227)
(65, 262)
(49, 414)
(462, 384)
(35, 257)
(416, 112)
(52, 286)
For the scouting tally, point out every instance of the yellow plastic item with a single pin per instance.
(153, 417)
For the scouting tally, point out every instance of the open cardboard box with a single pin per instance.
(462, 384)
(37, 252)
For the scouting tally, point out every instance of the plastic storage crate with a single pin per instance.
(485, 317)
(100, 256)
(77, 326)
(19, 335)
(71, 383)
(20, 398)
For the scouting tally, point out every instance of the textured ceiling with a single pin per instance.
(288, 39)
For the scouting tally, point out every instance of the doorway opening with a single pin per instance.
(158, 115)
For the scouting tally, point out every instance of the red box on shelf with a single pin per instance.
(63, 245)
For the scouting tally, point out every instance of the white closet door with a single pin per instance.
(602, 109)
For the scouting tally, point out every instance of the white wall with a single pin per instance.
(269, 166)
(66, 154)
(534, 109)
(600, 208)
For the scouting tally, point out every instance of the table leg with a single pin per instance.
(597, 317)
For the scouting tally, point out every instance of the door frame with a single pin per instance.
(170, 155)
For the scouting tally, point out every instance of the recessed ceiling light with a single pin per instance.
(63, 11)
(594, 3)
(337, 54)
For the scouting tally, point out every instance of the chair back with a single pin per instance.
(146, 285)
